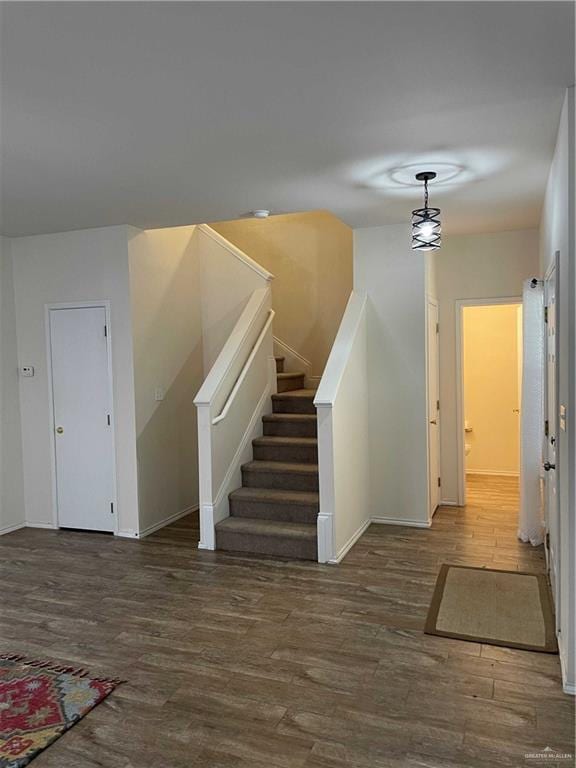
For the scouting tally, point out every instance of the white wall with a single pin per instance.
(228, 281)
(394, 277)
(11, 481)
(89, 265)
(167, 326)
(473, 267)
(557, 234)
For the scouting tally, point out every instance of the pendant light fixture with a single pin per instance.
(426, 227)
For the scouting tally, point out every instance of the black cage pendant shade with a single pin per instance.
(426, 227)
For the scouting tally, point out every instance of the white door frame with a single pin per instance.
(460, 441)
(434, 302)
(105, 305)
(553, 269)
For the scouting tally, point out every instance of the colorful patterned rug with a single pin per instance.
(39, 701)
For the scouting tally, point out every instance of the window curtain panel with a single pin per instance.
(531, 520)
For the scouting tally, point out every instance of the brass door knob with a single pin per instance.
(60, 430)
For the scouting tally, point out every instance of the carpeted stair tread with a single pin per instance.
(280, 440)
(280, 466)
(309, 394)
(268, 528)
(305, 418)
(275, 496)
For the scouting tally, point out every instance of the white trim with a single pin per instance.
(292, 352)
(430, 300)
(168, 520)
(47, 526)
(230, 399)
(350, 543)
(236, 252)
(340, 352)
(11, 528)
(567, 686)
(395, 521)
(106, 306)
(459, 306)
(127, 534)
(444, 503)
(493, 472)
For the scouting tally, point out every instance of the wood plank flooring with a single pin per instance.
(237, 662)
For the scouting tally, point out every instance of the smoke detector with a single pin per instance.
(261, 213)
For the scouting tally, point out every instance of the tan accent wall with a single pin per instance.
(310, 256)
(491, 388)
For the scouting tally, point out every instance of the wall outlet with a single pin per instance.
(27, 371)
(159, 394)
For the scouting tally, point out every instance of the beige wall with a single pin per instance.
(310, 256)
(491, 388)
(167, 328)
(473, 267)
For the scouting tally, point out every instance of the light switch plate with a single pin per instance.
(159, 394)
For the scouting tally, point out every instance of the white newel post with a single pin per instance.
(325, 524)
(207, 535)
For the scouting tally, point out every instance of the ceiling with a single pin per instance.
(160, 114)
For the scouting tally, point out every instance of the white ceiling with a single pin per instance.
(159, 114)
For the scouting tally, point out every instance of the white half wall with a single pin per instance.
(168, 370)
(89, 265)
(472, 267)
(394, 278)
(11, 480)
(557, 234)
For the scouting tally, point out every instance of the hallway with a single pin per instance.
(239, 662)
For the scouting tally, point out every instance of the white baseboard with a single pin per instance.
(450, 503)
(10, 528)
(167, 521)
(394, 521)
(47, 526)
(350, 543)
(568, 686)
(127, 534)
(493, 472)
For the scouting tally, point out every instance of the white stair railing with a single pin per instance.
(231, 402)
(343, 449)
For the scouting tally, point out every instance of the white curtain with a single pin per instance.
(531, 525)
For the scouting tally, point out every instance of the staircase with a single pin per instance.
(275, 511)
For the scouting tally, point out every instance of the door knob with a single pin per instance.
(548, 466)
(60, 430)
(433, 421)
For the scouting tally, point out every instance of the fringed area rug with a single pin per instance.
(39, 701)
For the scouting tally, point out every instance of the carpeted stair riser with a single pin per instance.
(281, 425)
(287, 404)
(288, 481)
(279, 364)
(290, 381)
(267, 545)
(267, 510)
(301, 454)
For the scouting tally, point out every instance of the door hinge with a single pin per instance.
(546, 428)
(545, 314)
(108, 419)
(439, 482)
(437, 327)
(111, 507)
(437, 405)
(105, 330)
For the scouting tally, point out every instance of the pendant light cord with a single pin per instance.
(425, 193)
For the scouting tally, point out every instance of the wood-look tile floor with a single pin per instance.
(238, 662)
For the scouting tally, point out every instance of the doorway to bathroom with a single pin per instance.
(490, 346)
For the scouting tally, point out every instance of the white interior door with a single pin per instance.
(551, 438)
(433, 368)
(82, 423)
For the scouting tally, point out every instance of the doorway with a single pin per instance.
(81, 389)
(490, 380)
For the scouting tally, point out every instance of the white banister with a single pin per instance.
(207, 230)
(230, 404)
(343, 448)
